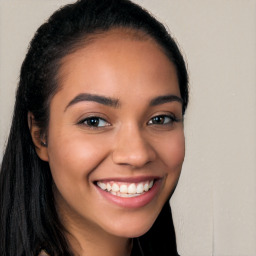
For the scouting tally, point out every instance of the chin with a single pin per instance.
(133, 226)
(133, 231)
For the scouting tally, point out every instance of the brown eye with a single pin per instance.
(161, 120)
(158, 120)
(94, 122)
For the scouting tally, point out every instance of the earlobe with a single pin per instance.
(39, 140)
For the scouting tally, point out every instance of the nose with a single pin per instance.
(132, 148)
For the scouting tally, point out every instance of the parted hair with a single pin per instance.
(28, 218)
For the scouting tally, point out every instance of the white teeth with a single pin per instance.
(139, 188)
(115, 187)
(128, 195)
(123, 189)
(102, 185)
(108, 187)
(126, 190)
(132, 189)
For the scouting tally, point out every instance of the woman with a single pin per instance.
(97, 143)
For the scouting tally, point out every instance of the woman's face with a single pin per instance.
(115, 137)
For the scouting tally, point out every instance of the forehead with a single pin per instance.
(118, 57)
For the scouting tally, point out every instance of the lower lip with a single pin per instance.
(133, 202)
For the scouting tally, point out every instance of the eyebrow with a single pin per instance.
(111, 102)
(164, 99)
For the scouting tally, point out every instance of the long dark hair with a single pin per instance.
(28, 218)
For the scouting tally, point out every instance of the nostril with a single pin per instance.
(136, 157)
(132, 148)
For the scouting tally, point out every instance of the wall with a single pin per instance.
(214, 205)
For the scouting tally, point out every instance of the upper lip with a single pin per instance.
(130, 179)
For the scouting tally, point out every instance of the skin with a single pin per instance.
(127, 143)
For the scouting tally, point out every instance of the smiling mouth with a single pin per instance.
(125, 189)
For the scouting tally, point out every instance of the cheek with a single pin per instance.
(72, 157)
(173, 151)
(176, 157)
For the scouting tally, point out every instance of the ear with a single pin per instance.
(38, 138)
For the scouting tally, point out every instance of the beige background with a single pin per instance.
(214, 205)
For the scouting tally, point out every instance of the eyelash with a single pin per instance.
(95, 122)
(162, 119)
